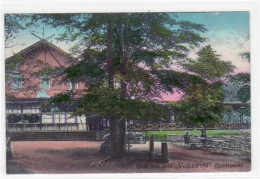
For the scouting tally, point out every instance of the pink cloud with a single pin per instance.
(176, 96)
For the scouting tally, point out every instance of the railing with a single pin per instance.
(154, 127)
(69, 127)
(47, 127)
(174, 126)
(235, 126)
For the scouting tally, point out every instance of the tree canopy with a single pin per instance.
(203, 103)
(118, 56)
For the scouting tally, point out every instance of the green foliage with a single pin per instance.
(208, 65)
(12, 65)
(247, 111)
(202, 107)
(246, 55)
(83, 69)
(13, 23)
(157, 59)
(243, 94)
(140, 82)
(243, 78)
(170, 79)
(203, 104)
(61, 98)
(75, 49)
(105, 102)
(46, 71)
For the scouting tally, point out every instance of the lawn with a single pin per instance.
(161, 135)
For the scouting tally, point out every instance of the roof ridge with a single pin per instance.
(36, 44)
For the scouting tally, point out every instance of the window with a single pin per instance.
(17, 81)
(73, 86)
(45, 82)
(54, 109)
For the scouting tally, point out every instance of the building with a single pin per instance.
(29, 84)
(240, 112)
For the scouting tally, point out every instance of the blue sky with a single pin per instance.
(228, 34)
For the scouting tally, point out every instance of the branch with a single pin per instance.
(11, 46)
(139, 47)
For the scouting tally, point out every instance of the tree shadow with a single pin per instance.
(74, 153)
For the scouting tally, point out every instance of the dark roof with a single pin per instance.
(38, 44)
(237, 105)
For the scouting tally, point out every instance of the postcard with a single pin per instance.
(165, 92)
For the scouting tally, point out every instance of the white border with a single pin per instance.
(88, 6)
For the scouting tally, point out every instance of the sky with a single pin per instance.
(227, 33)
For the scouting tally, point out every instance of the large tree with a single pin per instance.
(118, 56)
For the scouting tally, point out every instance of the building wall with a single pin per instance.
(35, 60)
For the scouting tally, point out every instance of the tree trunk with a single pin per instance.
(114, 139)
(114, 127)
(109, 58)
(205, 131)
(117, 138)
(123, 85)
(122, 136)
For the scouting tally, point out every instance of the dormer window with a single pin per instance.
(17, 81)
(73, 85)
(45, 82)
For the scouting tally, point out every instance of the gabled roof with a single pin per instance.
(38, 44)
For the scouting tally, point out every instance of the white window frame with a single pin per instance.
(15, 86)
(71, 86)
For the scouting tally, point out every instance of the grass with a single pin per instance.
(161, 135)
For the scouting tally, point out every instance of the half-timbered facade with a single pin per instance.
(29, 84)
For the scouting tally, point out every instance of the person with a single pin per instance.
(187, 138)
(203, 135)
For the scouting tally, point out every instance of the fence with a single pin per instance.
(174, 126)
(70, 127)
(47, 127)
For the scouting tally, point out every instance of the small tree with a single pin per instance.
(203, 101)
(207, 98)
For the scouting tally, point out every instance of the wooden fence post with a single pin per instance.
(165, 156)
(151, 147)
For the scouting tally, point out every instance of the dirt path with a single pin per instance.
(83, 157)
